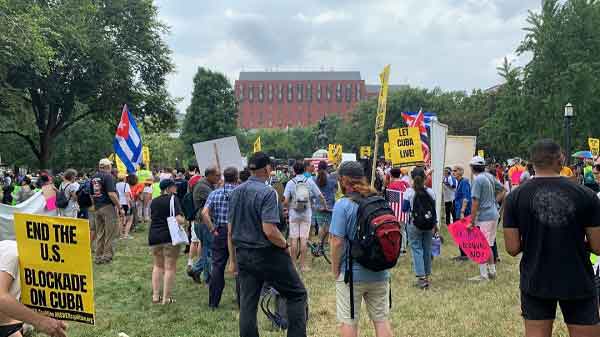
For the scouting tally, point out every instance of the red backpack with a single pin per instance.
(376, 245)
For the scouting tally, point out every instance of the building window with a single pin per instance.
(290, 92)
(328, 92)
(280, 92)
(358, 91)
(241, 93)
(300, 90)
(261, 92)
(318, 92)
(348, 92)
(338, 92)
(270, 92)
(250, 93)
(309, 92)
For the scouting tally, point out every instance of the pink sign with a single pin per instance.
(471, 241)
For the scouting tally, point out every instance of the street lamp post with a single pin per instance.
(569, 113)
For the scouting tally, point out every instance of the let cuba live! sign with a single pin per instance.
(55, 266)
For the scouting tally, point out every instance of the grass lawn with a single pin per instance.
(452, 307)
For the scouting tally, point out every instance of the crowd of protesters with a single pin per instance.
(258, 222)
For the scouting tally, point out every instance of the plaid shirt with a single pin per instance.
(218, 203)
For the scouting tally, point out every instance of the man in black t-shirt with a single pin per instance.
(555, 223)
(107, 206)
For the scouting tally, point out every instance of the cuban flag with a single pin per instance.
(128, 142)
(422, 120)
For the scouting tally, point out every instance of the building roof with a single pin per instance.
(374, 88)
(300, 76)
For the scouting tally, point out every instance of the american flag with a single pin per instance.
(422, 120)
(394, 198)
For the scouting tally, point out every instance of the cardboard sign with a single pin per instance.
(471, 241)
(146, 155)
(365, 151)
(405, 146)
(594, 146)
(334, 154)
(382, 101)
(222, 153)
(55, 266)
(257, 145)
(387, 153)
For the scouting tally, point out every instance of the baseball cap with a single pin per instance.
(477, 161)
(166, 183)
(259, 160)
(351, 169)
(104, 162)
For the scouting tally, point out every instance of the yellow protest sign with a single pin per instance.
(405, 146)
(121, 168)
(481, 153)
(365, 151)
(594, 146)
(382, 101)
(334, 153)
(146, 155)
(55, 266)
(387, 151)
(257, 145)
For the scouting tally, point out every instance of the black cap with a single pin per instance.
(259, 160)
(351, 169)
(164, 184)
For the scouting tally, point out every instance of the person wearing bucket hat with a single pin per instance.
(106, 204)
(370, 286)
(486, 190)
(164, 253)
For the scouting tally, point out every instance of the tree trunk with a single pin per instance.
(45, 150)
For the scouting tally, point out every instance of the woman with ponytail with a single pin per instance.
(420, 202)
(322, 215)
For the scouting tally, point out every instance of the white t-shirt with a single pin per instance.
(122, 189)
(70, 189)
(9, 263)
(290, 188)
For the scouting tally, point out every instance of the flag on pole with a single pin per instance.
(257, 145)
(128, 141)
(422, 120)
(394, 198)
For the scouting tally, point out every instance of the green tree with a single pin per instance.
(71, 60)
(213, 110)
(166, 151)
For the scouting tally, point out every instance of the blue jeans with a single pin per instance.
(420, 247)
(203, 265)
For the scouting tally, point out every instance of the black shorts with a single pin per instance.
(126, 210)
(576, 312)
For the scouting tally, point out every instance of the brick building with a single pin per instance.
(291, 99)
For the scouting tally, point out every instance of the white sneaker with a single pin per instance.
(479, 278)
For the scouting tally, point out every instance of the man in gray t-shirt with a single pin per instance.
(485, 192)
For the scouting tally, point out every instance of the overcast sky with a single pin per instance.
(453, 44)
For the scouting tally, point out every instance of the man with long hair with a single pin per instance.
(554, 223)
(373, 287)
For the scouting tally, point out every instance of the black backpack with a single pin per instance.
(84, 196)
(62, 200)
(376, 245)
(188, 208)
(423, 212)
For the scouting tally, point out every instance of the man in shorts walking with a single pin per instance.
(484, 212)
(555, 223)
(298, 193)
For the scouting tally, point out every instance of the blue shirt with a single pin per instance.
(218, 203)
(343, 225)
(463, 191)
(328, 192)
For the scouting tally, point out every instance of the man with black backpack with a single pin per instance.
(365, 243)
(298, 193)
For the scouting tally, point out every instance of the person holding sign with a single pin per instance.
(485, 193)
(12, 313)
(554, 223)
(159, 238)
